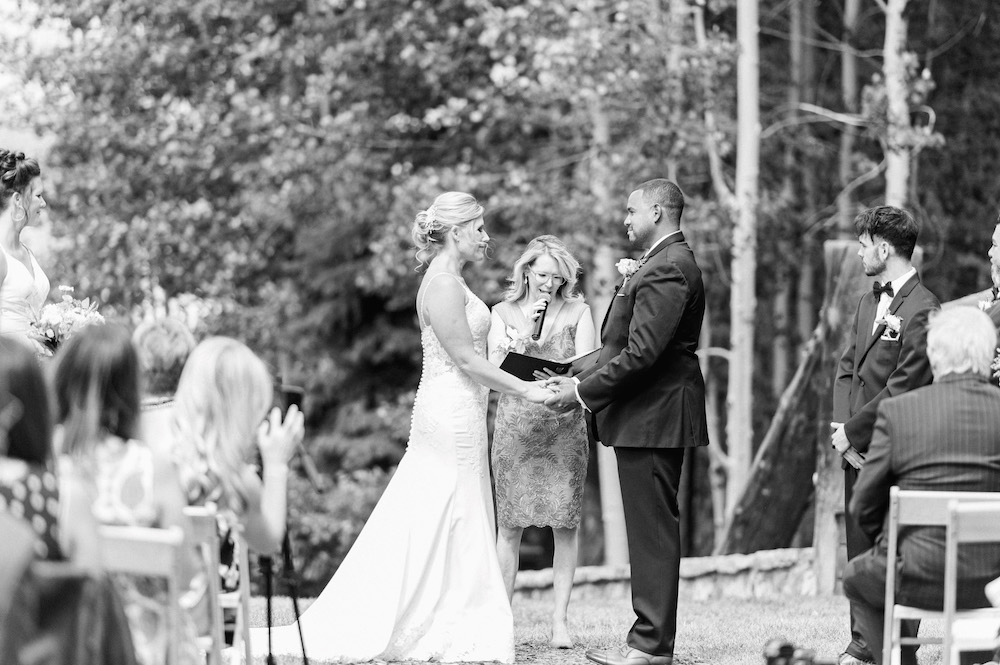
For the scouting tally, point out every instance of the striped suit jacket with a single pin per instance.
(944, 436)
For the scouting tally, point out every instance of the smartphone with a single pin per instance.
(292, 395)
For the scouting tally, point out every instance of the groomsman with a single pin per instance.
(942, 437)
(886, 356)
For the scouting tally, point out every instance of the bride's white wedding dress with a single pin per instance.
(422, 581)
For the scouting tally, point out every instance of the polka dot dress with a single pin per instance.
(29, 492)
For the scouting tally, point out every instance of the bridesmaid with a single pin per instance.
(23, 285)
(539, 457)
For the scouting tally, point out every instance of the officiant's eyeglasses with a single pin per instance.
(544, 277)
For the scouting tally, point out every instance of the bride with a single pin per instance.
(23, 285)
(422, 581)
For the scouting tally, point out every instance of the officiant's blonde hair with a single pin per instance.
(960, 340)
(431, 226)
(223, 395)
(553, 247)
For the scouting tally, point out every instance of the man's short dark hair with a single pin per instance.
(665, 193)
(894, 225)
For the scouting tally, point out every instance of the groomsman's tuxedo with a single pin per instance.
(878, 363)
(646, 398)
(944, 437)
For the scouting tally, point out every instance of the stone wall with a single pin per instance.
(765, 574)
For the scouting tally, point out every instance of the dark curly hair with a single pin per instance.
(16, 172)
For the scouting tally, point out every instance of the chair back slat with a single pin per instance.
(977, 522)
(930, 508)
(141, 551)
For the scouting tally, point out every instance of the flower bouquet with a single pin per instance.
(59, 321)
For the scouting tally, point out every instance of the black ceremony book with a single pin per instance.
(524, 367)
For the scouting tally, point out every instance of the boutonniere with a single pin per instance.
(985, 305)
(893, 324)
(627, 267)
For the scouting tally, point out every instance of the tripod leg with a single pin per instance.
(266, 567)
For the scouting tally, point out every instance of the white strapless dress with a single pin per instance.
(22, 295)
(422, 581)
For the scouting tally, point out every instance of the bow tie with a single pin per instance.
(879, 289)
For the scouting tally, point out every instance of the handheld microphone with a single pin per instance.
(536, 333)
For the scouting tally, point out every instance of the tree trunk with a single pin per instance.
(717, 461)
(848, 132)
(781, 480)
(743, 299)
(601, 177)
(805, 307)
(897, 172)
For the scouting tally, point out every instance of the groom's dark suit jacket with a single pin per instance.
(945, 436)
(646, 389)
(873, 368)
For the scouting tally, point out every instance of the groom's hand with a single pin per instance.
(839, 438)
(563, 396)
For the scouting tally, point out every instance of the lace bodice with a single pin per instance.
(21, 294)
(449, 412)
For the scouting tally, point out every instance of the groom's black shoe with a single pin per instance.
(626, 656)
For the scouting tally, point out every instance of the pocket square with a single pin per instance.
(889, 336)
(620, 294)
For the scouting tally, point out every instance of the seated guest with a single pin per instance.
(944, 436)
(97, 394)
(163, 346)
(223, 417)
(58, 512)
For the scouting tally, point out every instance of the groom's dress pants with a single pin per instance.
(650, 478)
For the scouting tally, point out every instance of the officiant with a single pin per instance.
(539, 457)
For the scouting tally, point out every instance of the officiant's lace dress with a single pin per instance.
(422, 581)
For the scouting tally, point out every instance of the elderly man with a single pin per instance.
(944, 436)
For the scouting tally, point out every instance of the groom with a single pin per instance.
(646, 397)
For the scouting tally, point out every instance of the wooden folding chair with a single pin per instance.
(205, 532)
(915, 508)
(150, 553)
(968, 630)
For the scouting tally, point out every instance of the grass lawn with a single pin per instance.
(716, 632)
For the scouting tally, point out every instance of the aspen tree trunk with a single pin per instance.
(897, 172)
(805, 307)
(612, 509)
(743, 299)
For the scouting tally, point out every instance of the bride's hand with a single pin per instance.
(537, 393)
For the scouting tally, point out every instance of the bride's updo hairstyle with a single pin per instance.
(16, 171)
(432, 225)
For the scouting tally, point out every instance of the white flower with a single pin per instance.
(627, 267)
(893, 324)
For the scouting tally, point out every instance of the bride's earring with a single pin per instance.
(24, 213)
